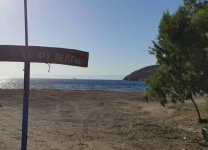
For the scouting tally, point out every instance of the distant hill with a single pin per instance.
(142, 74)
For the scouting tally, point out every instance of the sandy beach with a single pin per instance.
(99, 120)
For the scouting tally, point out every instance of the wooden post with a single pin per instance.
(26, 88)
(39, 54)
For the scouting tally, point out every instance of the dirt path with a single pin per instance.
(98, 120)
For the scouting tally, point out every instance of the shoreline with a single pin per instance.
(84, 90)
(78, 84)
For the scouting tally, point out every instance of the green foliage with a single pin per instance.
(206, 103)
(181, 50)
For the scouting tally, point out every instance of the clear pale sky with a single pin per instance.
(116, 33)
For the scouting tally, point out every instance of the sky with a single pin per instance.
(116, 33)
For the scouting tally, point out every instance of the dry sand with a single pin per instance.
(98, 120)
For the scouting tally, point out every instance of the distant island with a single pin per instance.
(142, 73)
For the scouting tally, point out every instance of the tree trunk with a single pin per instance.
(197, 110)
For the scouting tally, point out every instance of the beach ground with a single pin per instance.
(99, 120)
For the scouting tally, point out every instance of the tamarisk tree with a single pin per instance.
(181, 50)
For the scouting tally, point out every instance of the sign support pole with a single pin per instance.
(26, 88)
(38, 54)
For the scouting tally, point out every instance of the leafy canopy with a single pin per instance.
(181, 50)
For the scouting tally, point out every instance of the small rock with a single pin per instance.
(1, 105)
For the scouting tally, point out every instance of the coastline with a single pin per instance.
(77, 84)
(90, 119)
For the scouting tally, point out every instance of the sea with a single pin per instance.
(76, 84)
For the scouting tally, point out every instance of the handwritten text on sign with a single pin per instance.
(44, 55)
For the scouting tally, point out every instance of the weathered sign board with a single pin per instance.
(40, 54)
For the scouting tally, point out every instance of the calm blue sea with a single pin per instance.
(75, 84)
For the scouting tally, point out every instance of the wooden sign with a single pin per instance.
(38, 54)
(44, 55)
